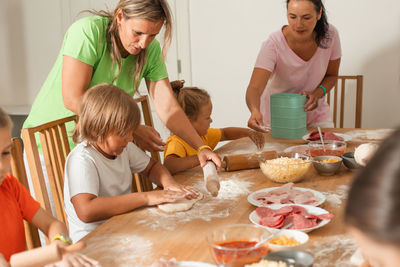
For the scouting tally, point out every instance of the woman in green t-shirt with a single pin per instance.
(118, 48)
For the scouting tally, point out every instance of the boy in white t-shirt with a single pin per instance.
(98, 171)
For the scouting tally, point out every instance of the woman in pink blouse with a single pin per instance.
(302, 57)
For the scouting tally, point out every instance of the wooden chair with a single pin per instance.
(358, 107)
(18, 170)
(54, 142)
(139, 183)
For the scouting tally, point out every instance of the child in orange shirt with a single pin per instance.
(196, 103)
(16, 204)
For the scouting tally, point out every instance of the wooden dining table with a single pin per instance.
(145, 235)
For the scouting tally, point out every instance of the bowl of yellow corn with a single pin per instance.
(288, 240)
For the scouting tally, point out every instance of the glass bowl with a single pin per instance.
(330, 148)
(235, 245)
(289, 167)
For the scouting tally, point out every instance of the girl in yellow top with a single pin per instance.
(196, 103)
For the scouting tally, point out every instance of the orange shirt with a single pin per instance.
(16, 204)
(178, 147)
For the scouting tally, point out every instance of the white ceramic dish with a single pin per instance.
(310, 209)
(195, 264)
(299, 236)
(345, 137)
(252, 197)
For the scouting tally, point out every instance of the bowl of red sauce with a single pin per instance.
(238, 244)
(329, 148)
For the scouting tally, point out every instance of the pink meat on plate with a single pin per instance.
(297, 215)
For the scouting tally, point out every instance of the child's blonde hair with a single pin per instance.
(5, 120)
(191, 99)
(106, 109)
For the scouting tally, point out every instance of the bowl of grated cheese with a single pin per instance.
(289, 167)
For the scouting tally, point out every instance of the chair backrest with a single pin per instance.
(55, 146)
(139, 183)
(18, 170)
(358, 105)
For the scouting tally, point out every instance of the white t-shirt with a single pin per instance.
(89, 171)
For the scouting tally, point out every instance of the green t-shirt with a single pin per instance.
(86, 41)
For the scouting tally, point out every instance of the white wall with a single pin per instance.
(226, 36)
(218, 42)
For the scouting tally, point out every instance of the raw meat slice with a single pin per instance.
(314, 136)
(286, 194)
(297, 215)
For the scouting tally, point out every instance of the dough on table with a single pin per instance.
(364, 153)
(180, 205)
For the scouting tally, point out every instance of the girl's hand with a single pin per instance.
(3, 262)
(71, 257)
(74, 259)
(208, 155)
(156, 197)
(147, 138)
(256, 122)
(257, 138)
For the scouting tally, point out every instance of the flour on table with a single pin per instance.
(338, 249)
(335, 197)
(369, 135)
(130, 249)
(180, 205)
(206, 209)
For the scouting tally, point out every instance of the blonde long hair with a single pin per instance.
(153, 10)
(106, 109)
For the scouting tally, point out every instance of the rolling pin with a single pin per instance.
(39, 257)
(211, 178)
(246, 161)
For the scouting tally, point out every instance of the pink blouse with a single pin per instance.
(291, 74)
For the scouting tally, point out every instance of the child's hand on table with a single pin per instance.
(190, 192)
(156, 197)
(71, 257)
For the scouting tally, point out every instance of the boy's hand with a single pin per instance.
(156, 197)
(190, 192)
(257, 138)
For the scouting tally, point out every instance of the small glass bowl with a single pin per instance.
(235, 245)
(329, 148)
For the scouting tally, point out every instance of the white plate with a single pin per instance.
(310, 209)
(251, 198)
(195, 264)
(345, 137)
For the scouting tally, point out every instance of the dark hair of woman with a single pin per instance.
(373, 203)
(322, 27)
